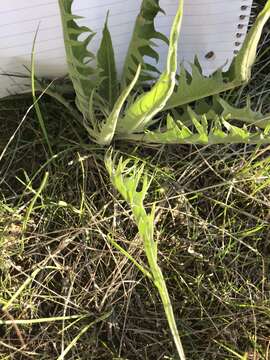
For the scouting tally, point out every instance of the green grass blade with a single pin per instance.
(233, 352)
(83, 331)
(129, 257)
(21, 289)
(55, 94)
(41, 320)
(35, 100)
(33, 201)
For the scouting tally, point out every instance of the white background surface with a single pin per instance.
(208, 25)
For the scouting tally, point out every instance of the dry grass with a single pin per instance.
(66, 293)
(213, 231)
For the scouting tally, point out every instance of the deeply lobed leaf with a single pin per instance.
(83, 76)
(201, 86)
(140, 114)
(195, 86)
(142, 45)
(126, 178)
(211, 128)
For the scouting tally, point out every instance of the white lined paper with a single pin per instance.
(208, 26)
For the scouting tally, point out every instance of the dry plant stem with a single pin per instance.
(15, 326)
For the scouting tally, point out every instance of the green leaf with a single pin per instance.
(203, 131)
(141, 112)
(84, 77)
(245, 114)
(241, 67)
(108, 88)
(142, 44)
(127, 181)
(195, 86)
(200, 86)
(202, 125)
(103, 133)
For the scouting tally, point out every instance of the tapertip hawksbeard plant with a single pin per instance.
(128, 117)
(140, 118)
